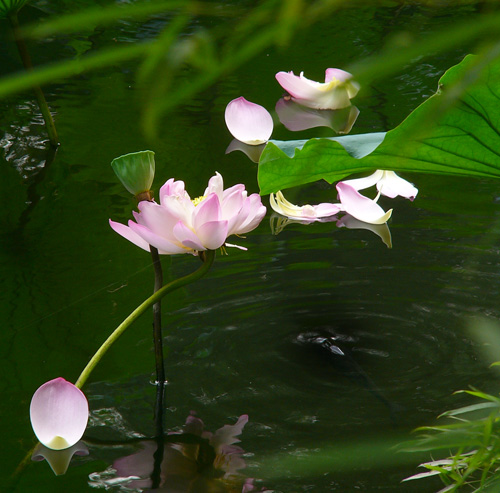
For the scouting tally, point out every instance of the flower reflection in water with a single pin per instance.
(296, 117)
(194, 460)
(59, 459)
(278, 223)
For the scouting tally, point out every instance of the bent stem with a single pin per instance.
(208, 259)
(42, 102)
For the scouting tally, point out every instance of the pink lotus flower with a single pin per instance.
(248, 122)
(335, 93)
(59, 413)
(181, 225)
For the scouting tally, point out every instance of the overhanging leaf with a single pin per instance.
(456, 131)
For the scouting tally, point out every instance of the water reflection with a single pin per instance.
(253, 152)
(59, 459)
(278, 223)
(194, 460)
(296, 117)
(381, 230)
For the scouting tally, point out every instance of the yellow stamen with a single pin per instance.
(198, 200)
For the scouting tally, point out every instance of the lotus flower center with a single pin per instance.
(198, 200)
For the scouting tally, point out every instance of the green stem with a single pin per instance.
(42, 102)
(208, 259)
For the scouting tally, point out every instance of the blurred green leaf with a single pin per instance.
(8, 7)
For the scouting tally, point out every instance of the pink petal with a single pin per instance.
(343, 76)
(328, 95)
(361, 207)
(172, 188)
(160, 219)
(59, 413)
(164, 245)
(298, 87)
(213, 234)
(130, 235)
(215, 185)
(248, 122)
(326, 209)
(232, 203)
(253, 215)
(337, 74)
(208, 210)
(187, 237)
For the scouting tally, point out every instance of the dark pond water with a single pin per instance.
(402, 313)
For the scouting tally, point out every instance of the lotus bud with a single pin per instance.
(59, 413)
(136, 171)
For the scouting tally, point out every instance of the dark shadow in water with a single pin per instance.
(325, 348)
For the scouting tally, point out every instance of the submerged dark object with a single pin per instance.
(327, 348)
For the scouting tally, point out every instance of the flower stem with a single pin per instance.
(158, 345)
(157, 335)
(208, 259)
(42, 102)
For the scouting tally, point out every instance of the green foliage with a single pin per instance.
(456, 131)
(473, 444)
(172, 67)
(9, 7)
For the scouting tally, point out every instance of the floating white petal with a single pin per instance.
(308, 212)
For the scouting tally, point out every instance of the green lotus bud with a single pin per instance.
(10, 7)
(136, 171)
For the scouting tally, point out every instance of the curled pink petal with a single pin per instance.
(332, 94)
(361, 207)
(248, 122)
(215, 185)
(59, 413)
